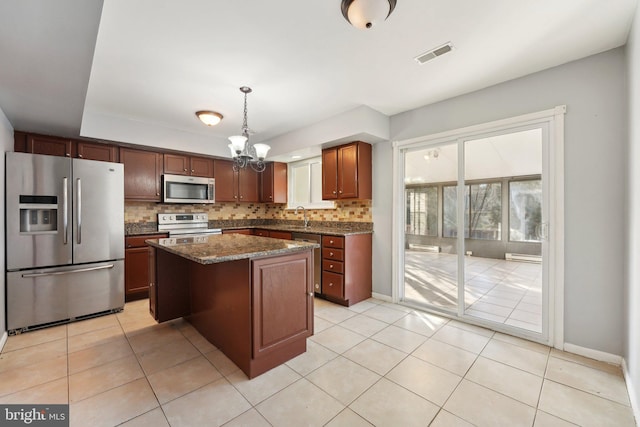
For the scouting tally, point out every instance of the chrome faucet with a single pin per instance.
(304, 214)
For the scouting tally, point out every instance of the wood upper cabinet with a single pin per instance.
(178, 164)
(64, 147)
(346, 171)
(38, 144)
(92, 151)
(142, 174)
(226, 187)
(273, 183)
(232, 186)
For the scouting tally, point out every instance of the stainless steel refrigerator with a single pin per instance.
(64, 239)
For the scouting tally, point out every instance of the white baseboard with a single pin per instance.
(3, 340)
(633, 396)
(382, 297)
(593, 354)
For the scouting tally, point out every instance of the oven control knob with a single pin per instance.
(164, 217)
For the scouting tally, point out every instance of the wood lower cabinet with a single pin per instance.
(257, 312)
(346, 268)
(136, 266)
(232, 186)
(286, 235)
(178, 164)
(142, 174)
(282, 307)
(346, 172)
(247, 231)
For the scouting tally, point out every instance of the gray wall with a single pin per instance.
(632, 290)
(6, 144)
(594, 91)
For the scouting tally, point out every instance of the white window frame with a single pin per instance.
(291, 204)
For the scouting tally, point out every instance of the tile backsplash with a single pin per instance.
(352, 211)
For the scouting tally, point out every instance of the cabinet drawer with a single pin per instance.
(261, 233)
(280, 234)
(138, 241)
(331, 253)
(332, 284)
(334, 266)
(332, 242)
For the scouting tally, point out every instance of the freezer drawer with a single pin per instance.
(45, 295)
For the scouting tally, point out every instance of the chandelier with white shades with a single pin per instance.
(244, 153)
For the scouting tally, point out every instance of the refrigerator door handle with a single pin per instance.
(79, 214)
(60, 273)
(65, 211)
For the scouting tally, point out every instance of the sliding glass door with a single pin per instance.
(475, 229)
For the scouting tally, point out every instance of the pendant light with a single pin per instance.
(242, 151)
(367, 13)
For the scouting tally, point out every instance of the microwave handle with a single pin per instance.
(211, 194)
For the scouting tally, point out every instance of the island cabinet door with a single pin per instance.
(282, 302)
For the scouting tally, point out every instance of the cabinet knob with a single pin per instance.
(310, 294)
(330, 284)
(184, 170)
(241, 197)
(330, 241)
(340, 191)
(68, 154)
(330, 265)
(157, 194)
(235, 197)
(334, 191)
(317, 286)
(193, 171)
(271, 197)
(330, 253)
(79, 156)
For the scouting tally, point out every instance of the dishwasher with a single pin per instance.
(317, 257)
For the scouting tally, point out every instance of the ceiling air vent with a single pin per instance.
(434, 53)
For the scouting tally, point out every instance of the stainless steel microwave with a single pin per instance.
(188, 189)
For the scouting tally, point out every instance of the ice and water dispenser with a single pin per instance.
(38, 214)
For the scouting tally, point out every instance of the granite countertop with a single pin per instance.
(228, 247)
(312, 229)
(328, 228)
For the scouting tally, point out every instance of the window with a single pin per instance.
(525, 210)
(305, 185)
(422, 211)
(483, 211)
(450, 214)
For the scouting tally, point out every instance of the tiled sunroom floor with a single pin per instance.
(508, 292)
(371, 364)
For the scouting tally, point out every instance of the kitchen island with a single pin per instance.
(252, 297)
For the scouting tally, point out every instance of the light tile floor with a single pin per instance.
(374, 363)
(502, 291)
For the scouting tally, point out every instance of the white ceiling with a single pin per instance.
(154, 63)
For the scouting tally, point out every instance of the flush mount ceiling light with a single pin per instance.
(209, 118)
(243, 153)
(432, 154)
(367, 13)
